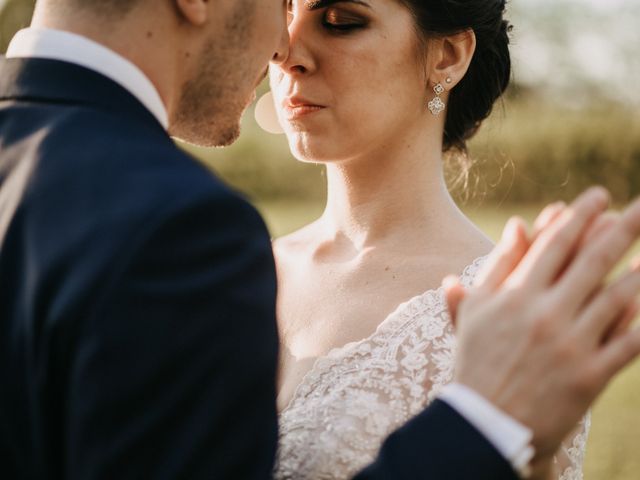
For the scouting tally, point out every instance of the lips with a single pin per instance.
(298, 107)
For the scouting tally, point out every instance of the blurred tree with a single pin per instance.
(14, 15)
(569, 49)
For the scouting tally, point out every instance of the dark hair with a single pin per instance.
(472, 100)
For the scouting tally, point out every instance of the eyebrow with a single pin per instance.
(317, 4)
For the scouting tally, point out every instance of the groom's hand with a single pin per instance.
(514, 244)
(540, 336)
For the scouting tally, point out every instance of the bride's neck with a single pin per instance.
(387, 195)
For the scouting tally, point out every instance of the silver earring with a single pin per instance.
(437, 106)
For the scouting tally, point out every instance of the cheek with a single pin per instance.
(275, 80)
(277, 89)
(272, 23)
(377, 91)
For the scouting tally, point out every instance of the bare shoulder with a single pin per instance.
(464, 244)
(475, 241)
(296, 243)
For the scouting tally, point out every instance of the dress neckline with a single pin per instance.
(335, 352)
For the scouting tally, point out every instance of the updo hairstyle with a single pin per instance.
(472, 100)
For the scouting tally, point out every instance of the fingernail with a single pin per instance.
(599, 194)
(510, 236)
(554, 210)
(510, 229)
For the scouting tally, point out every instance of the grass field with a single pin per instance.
(612, 452)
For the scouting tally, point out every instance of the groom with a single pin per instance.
(137, 292)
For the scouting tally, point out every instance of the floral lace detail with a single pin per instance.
(572, 453)
(355, 396)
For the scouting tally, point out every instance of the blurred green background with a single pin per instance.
(571, 119)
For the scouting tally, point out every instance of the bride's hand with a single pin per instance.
(539, 336)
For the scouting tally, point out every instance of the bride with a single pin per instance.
(378, 90)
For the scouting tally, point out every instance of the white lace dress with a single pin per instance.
(355, 396)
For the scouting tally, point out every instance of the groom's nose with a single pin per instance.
(282, 52)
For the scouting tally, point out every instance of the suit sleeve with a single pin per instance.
(438, 444)
(174, 375)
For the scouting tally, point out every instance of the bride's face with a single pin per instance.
(354, 79)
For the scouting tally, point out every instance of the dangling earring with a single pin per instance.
(437, 106)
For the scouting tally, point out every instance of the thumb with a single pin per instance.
(454, 293)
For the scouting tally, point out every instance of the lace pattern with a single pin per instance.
(356, 395)
(571, 456)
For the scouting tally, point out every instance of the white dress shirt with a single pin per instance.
(508, 436)
(73, 48)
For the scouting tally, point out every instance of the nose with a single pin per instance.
(282, 52)
(294, 55)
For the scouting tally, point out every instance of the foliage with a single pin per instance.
(14, 15)
(534, 152)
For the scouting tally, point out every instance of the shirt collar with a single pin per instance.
(73, 48)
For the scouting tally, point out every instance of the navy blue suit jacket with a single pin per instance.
(137, 304)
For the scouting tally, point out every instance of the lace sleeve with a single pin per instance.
(569, 460)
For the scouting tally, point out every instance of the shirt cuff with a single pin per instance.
(507, 435)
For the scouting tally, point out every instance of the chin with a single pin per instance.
(208, 124)
(211, 120)
(214, 136)
(311, 149)
(224, 130)
(226, 137)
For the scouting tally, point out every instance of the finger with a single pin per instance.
(505, 256)
(554, 246)
(621, 326)
(598, 226)
(602, 224)
(607, 308)
(546, 217)
(617, 354)
(454, 294)
(595, 260)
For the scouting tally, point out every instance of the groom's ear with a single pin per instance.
(195, 12)
(452, 56)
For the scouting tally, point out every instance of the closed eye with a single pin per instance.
(318, 4)
(342, 21)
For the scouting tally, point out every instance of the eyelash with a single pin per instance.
(341, 27)
(338, 28)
